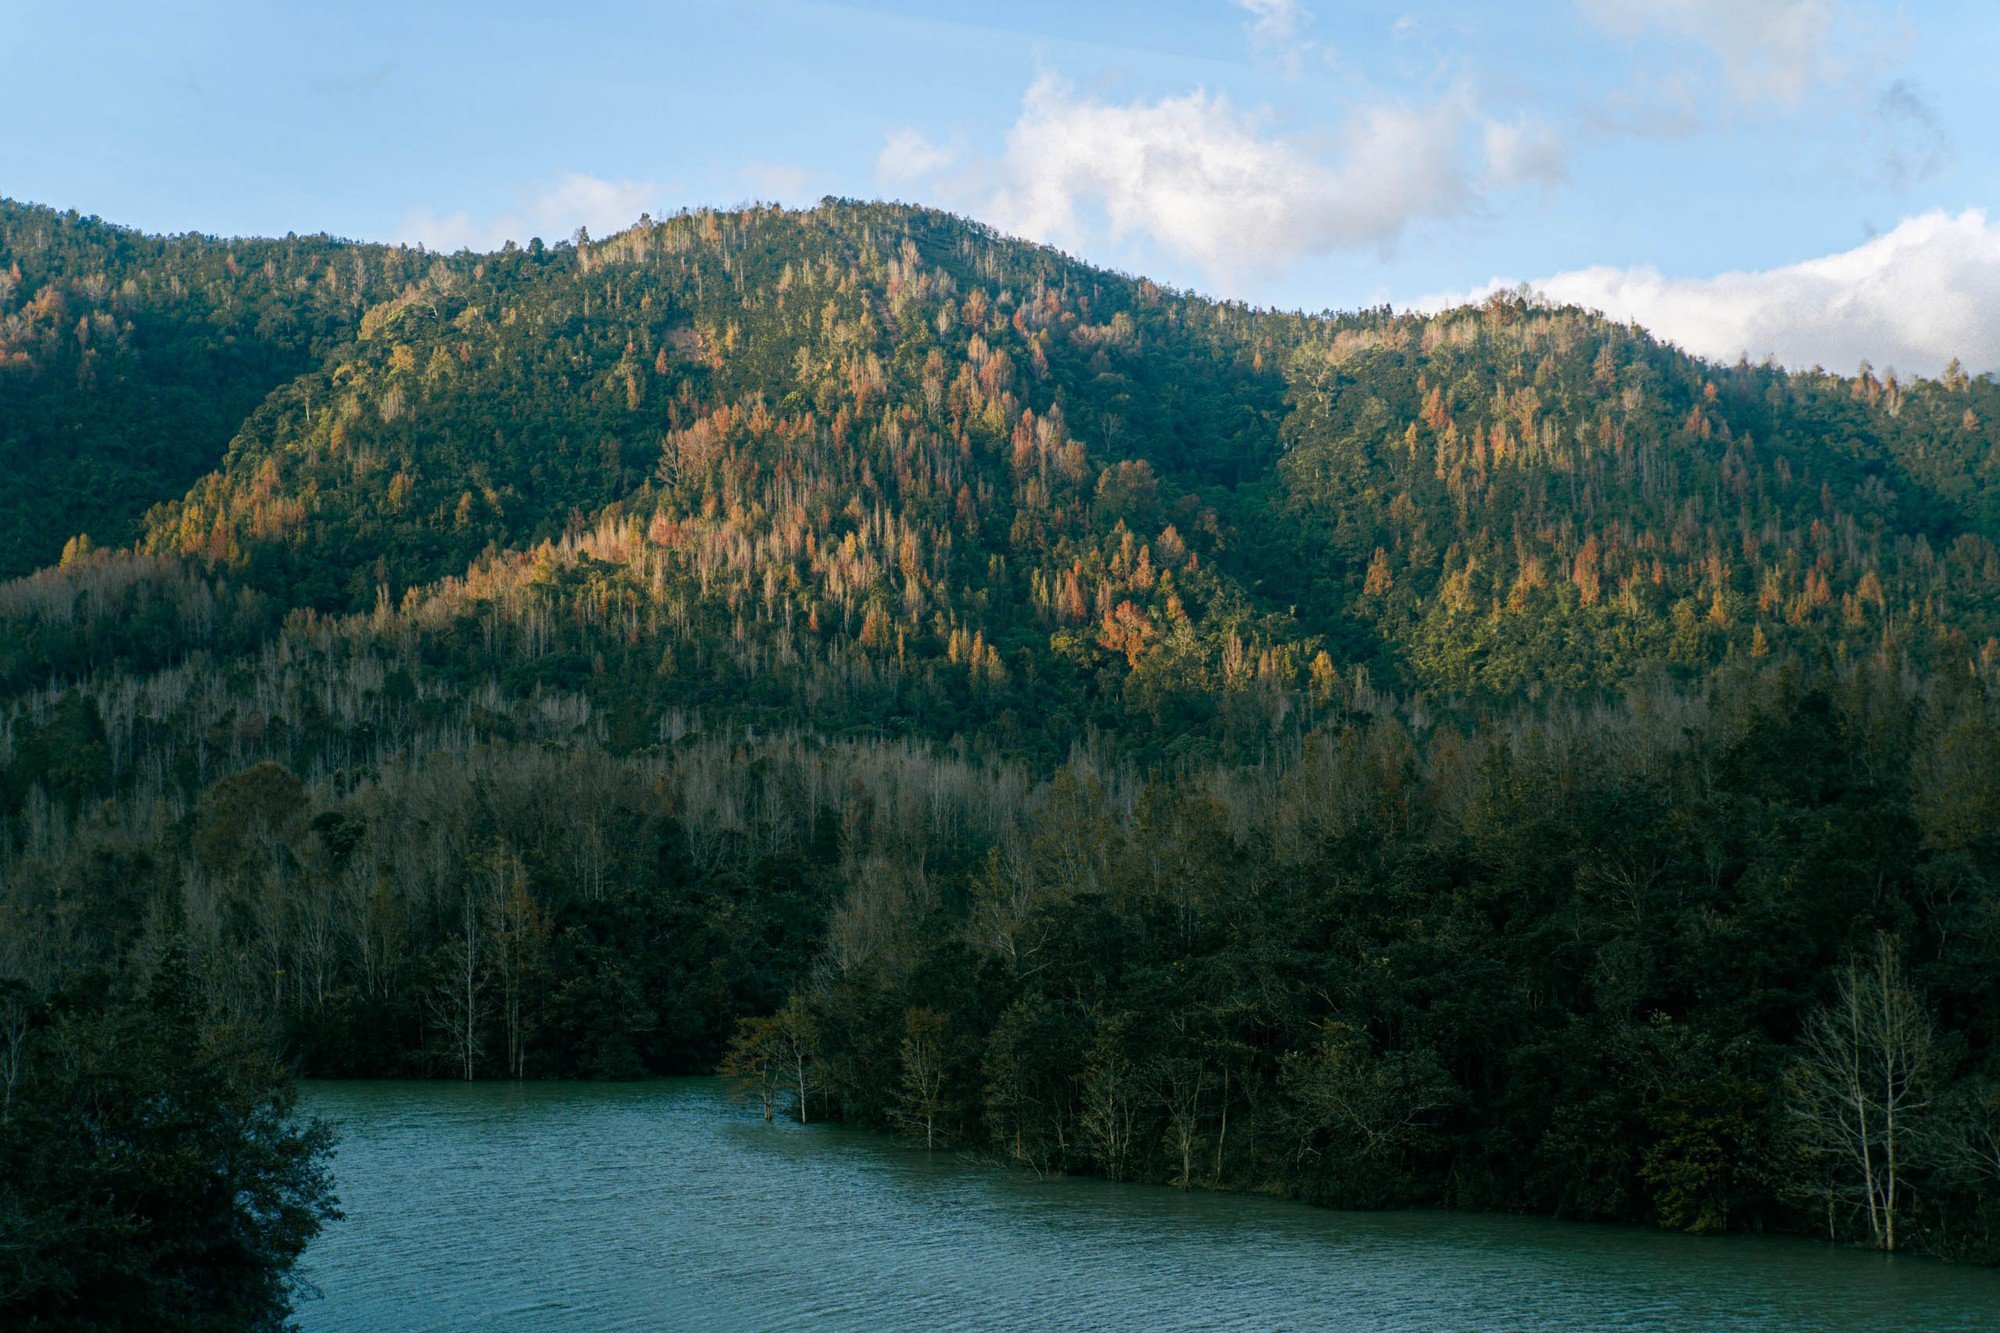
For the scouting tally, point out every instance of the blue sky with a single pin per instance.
(1799, 178)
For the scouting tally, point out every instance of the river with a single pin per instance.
(665, 1205)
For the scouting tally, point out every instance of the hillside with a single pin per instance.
(874, 443)
(128, 361)
(1379, 758)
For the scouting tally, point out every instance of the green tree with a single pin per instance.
(754, 1062)
(1362, 1112)
(154, 1173)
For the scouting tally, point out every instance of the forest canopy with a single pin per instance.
(1487, 758)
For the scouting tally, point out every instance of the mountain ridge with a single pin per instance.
(1030, 393)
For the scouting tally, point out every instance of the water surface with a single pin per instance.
(664, 1205)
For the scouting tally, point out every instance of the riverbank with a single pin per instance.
(665, 1204)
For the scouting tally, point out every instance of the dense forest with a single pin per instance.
(1490, 759)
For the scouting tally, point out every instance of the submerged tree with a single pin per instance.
(1113, 1088)
(457, 997)
(1183, 1083)
(518, 928)
(768, 1056)
(920, 1099)
(754, 1063)
(796, 1031)
(1861, 1085)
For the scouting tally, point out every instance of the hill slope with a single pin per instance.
(127, 361)
(1125, 731)
(876, 440)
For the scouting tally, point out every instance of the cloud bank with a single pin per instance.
(1912, 298)
(1211, 184)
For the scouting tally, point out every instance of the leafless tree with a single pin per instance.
(1112, 1092)
(457, 998)
(519, 930)
(1861, 1085)
(1183, 1083)
(920, 1092)
(14, 1016)
(798, 1042)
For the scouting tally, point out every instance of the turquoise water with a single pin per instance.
(664, 1205)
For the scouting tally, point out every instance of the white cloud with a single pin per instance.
(1277, 31)
(1199, 177)
(779, 183)
(1524, 152)
(907, 156)
(1912, 298)
(1769, 50)
(574, 200)
(1210, 184)
(1273, 22)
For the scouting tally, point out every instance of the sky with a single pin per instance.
(1808, 180)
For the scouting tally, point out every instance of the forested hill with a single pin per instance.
(880, 455)
(128, 361)
(1373, 757)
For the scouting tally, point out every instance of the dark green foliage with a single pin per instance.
(65, 756)
(153, 1173)
(1565, 976)
(128, 361)
(1379, 759)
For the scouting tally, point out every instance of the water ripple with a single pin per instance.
(662, 1205)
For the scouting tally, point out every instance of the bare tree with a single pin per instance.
(797, 1034)
(318, 943)
(1367, 1104)
(1111, 1096)
(1183, 1080)
(14, 1015)
(1861, 1085)
(457, 998)
(920, 1094)
(1967, 1135)
(519, 929)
